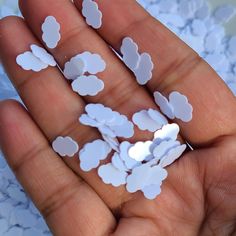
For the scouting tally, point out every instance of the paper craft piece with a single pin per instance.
(150, 120)
(65, 146)
(43, 55)
(140, 150)
(160, 150)
(145, 175)
(169, 131)
(28, 61)
(92, 14)
(94, 63)
(74, 68)
(111, 123)
(129, 50)
(51, 32)
(111, 175)
(143, 72)
(164, 105)
(141, 65)
(129, 162)
(92, 153)
(183, 110)
(172, 155)
(177, 106)
(87, 85)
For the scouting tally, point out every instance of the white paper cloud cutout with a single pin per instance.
(177, 106)
(172, 155)
(92, 153)
(65, 146)
(140, 150)
(74, 68)
(183, 110)
(92, 14)
(28, 61)
(164, 105)
(150, 120)
(143, 72)
(87, 85)
(129, 50)
(94, 63)
(51, 32)
(169, 131)
(111, 175)
(43, 55)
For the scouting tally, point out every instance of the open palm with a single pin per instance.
(199, 196)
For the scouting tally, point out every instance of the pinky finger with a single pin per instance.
(66, 202)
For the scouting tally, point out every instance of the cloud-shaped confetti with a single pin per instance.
(129, 50)
(74, 68)
(28, 61)
(92, 14)
(65, 146)
(92, 153)
(87, 85)
(143, 72)
(51, 32)
(111, 175)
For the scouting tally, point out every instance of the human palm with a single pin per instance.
(199, 195)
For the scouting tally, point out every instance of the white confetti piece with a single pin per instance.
(145, 175)
(51, 32)
(130, 163)
(129, 50)
(183, 110)
(140, 150)
(141, 65)
(110, 121)
(150, 120)
(111, 175)
(172, 155)
(65, 146)
(143, 72)
(74, 68)
(28, 61)
(43, 55)
(164, 105)
(160, 150)
(151, 191)
(92, 13)
(177, 106)
(94, 63)
(87, 85)
(92, 153)
(169, 131)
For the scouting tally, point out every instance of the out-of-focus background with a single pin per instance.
(208, 26)
(231, 25)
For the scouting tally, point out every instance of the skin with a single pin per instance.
(199, 196)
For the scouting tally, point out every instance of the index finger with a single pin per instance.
(177, 67)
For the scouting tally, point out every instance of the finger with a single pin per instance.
(54, 188)
(78, 37)
(177, 67)
(51, 103)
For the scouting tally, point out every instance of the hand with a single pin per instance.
(199, 196)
